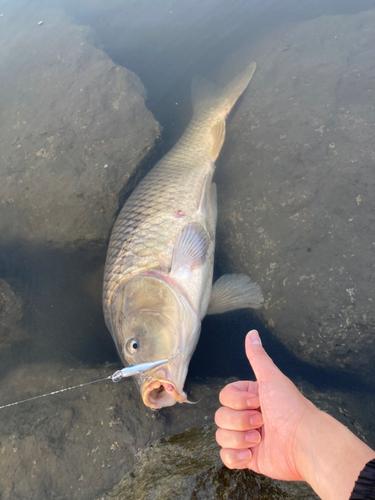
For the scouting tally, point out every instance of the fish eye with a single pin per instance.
(132, 346)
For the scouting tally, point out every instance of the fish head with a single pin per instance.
(151, 321)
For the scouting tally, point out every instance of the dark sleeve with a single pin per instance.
(364, 488)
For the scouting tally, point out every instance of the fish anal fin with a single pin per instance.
(208, 202)
(234, 291)
(218, 136)
(190, 248)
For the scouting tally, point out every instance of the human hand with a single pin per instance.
(298, 442)
(270, 448)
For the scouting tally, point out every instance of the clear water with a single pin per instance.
(60, 337)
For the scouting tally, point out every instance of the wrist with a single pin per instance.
(329, 457)
(306, 449)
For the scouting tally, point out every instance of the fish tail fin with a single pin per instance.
(208, 97)
(213, 103)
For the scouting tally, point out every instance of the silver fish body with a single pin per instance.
(158, 274)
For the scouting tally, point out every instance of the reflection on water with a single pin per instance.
(295, 210)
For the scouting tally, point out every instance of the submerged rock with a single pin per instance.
(188, 467)
(74, 129)
(295, 188)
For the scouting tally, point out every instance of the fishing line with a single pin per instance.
(55, 392)
(128, 371)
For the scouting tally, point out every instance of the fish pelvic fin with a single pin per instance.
(214, 102)
(234, 291)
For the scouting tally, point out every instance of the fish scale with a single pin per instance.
(147, 226)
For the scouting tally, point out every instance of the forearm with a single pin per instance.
(330, 457)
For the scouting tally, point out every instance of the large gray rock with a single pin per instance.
(74, 128)
(295, 187)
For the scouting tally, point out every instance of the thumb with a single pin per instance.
(260, 362)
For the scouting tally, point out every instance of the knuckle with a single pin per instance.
(218, 437)
(219, 416)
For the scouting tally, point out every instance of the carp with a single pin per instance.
(159, 267)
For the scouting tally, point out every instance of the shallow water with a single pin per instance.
(68, 162)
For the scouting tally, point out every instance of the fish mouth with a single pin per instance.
(159, 393)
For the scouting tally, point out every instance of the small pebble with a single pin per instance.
(40, 22)
(105, 166)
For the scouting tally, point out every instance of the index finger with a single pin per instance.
(240, 395)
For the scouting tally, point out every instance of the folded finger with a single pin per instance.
(236, 459)
(237, 440)
(236, 420)
(240, 398)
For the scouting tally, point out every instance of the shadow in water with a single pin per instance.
(220, 353)
(60, 292)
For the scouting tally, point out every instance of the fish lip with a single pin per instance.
(156, 398)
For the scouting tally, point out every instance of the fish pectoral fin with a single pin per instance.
(190, 248)
(218, 136)
(234, 291)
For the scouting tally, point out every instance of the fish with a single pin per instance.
(158, 278)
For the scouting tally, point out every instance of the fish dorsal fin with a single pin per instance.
(218, 136)
(234, 291)
(190, 248)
